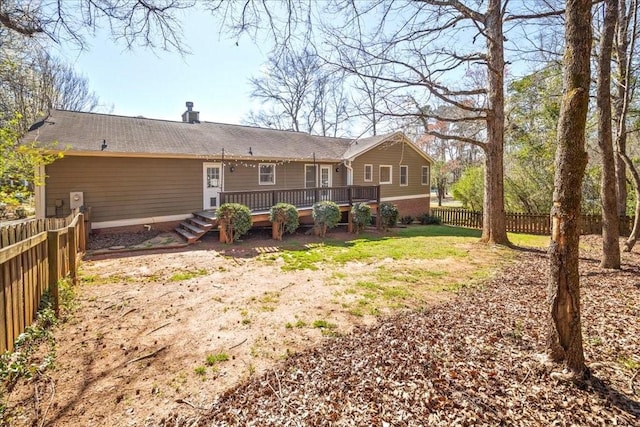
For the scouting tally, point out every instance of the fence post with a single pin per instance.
(81, 235)
(73, 254)
(53, 244)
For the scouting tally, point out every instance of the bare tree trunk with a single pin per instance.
(494, 222)
(610, 221)
(635, 232)
(565, 333)
(622, 90)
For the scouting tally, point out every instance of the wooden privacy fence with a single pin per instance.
(33, 265)
(525, 222)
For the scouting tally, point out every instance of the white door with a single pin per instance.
(325, 181)
(212, 185)
(325, 176)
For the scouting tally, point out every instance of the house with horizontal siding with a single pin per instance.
(134, 171)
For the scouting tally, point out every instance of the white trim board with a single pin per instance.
(139, 221)
(411, 196)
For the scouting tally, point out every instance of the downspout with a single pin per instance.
(347, 164)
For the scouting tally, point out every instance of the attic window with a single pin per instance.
(385, 174)
(267, 174)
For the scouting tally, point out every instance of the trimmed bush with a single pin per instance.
(426, 219)
(361, 216)
(407, 219)
(235, 220)
(326, 214)
(285, 217)
(388, 215)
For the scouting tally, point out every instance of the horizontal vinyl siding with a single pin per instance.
(289, 175)
(124, 188)
(394, 154)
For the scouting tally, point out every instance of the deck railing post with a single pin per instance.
(350, 195)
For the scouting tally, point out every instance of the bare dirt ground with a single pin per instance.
(134, 352)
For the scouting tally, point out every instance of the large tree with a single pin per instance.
(610, 222)
(565, 333)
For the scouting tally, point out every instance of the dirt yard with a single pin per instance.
(152, 329)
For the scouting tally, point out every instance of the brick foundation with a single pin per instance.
(413, 207)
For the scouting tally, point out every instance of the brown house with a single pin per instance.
(133, 171)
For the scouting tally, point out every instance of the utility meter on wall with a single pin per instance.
(76, 199)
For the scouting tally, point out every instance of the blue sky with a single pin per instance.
(156, 83)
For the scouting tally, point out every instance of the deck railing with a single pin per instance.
(263, 200)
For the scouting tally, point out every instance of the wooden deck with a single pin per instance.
(260, 203)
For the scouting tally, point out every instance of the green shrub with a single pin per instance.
(469, 188)
(388, 214)
(407, 219)
(236, 220)
(361, 216)
(286, 216)
(326, 214)
(426, 219)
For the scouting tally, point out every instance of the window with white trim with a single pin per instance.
(425, 175)
(267, 174)
(368, 173)
(386, 174)
(404, 175)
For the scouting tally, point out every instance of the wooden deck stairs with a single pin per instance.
(192, 229)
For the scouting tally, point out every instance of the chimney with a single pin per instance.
(190, 116)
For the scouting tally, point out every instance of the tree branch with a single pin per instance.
(472, 141)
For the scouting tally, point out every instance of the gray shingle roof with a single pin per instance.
(83, 133)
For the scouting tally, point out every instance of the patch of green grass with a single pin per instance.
(245, 317)
(200, 370)
(90, 278)
(212, 359)
(528, 240)
(418, 275)
(186, 275)
(416, 242)
(395, 292)
(323, 324)
(270, 297)
(629, 362)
